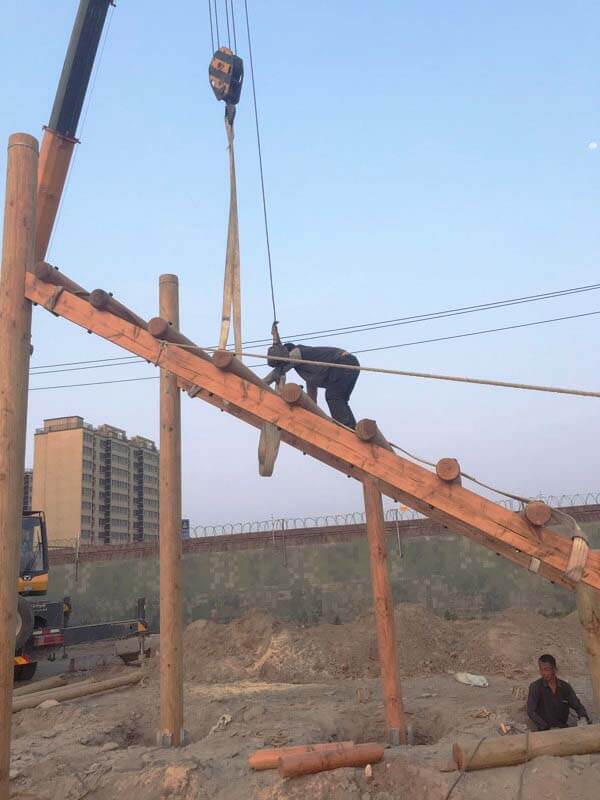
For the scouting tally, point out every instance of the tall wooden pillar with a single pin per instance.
(588, 608)
(384, 615)
(171, 617)
(15, 336)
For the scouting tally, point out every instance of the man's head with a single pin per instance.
(547, 666)
(279, 351)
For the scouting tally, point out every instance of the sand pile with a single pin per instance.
(259, 647)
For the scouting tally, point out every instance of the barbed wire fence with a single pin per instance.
(276, 525)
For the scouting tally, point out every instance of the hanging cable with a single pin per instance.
(212, 32)
(233, 28)
(217, 24)
(260, 161)
(227, 18)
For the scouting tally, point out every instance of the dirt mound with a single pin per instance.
(511, 642)
(259, 647)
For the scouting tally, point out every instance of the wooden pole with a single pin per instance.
(588, 608)
(75, 690)
(356, 755)
(384, 615)
(504, 751)
(171, 618)
(15, 340)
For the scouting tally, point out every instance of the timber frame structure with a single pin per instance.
(225, 382)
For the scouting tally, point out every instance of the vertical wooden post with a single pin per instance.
(384, 615)
(588, 607)
(171, 617)
(15, 335)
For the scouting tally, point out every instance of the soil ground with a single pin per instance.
(261, 683)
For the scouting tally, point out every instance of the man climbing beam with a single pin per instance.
(337, 381)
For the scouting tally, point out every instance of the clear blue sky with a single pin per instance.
(418, 156)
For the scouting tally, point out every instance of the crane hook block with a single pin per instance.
(226, 73)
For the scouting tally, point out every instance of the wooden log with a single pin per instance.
(171, 612)
(48, 694)
(226, 361)
(49, 274)
(461, 510)
(268, 449)
(505, 751)
(82, 689)
(358, 755)
(160, 329)
(40, 686)
(270, 757)
(294, 395)
(104, 301)
(588, 609)
(55, 157)
(15, 337)
(384, 615)
(367, 431)
(448, 469)
(538, 512)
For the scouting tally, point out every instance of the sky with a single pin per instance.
(418, 157)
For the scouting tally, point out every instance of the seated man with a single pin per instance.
(337, 381)
(551, 698)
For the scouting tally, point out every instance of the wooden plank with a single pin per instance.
(458, 508)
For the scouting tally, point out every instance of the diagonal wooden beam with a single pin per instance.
(459, 509)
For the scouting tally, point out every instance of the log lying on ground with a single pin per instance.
(358, 755)
(40, 686)
(76, 690)
(509, 750)
(270, 757)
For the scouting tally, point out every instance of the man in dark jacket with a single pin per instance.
(337, 381)
(551, 698)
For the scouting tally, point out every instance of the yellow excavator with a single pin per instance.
(39, 622)
(42, 625)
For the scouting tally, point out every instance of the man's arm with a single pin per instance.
(532, 704)
(576, 704)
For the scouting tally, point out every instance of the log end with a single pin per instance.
(538, 513)
(223, 359)
(43, 270)
(366, 429)
(99, 298)
(158, 327)
(291, 393)
(448, 469)
(458, 756)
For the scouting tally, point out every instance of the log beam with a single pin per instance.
(456, 507)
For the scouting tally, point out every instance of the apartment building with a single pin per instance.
(27, 489)
(95, 484)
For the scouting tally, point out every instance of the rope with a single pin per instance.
(233, 28)
(428, 375)
(227, 18)
(463, 771)
(217, 24)
(231, 282)
(260, 162)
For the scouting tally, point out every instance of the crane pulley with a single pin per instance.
(226, 74)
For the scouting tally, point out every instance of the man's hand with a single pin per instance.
(272, 377)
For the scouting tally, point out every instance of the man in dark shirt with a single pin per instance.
(550, 698)
(337, 381)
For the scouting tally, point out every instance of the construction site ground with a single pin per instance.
(257, 682)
